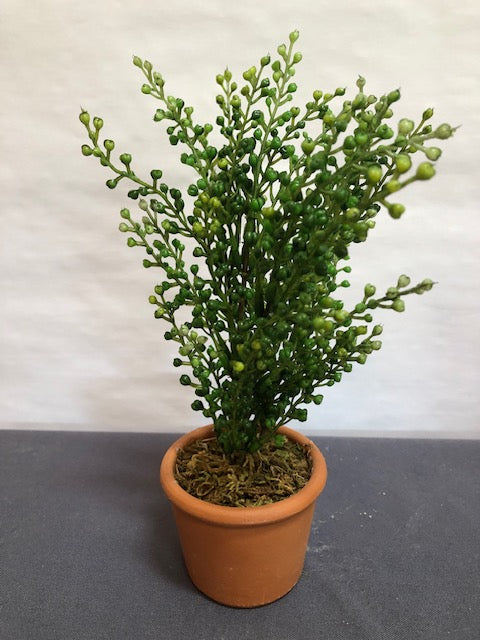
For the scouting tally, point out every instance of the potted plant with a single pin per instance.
(258, 250)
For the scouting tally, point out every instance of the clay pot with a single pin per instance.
(243, 556)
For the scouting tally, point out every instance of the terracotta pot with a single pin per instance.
(243, 556)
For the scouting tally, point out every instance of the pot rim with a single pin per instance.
(242, 516)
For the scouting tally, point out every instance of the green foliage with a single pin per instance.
(272, 214)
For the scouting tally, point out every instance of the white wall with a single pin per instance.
(79, 345)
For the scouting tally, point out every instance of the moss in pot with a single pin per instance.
(271, 214)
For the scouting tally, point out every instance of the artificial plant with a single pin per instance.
(271, 214)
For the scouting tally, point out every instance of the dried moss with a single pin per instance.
(243, 479)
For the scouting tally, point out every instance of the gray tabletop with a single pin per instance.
(89, 550)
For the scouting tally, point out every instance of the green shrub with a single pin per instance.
(272, 214)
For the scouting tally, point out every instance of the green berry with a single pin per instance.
(444, 131)
(359, 101)
(361, 138)
(84, 117)
(341, 315)
(352, 213)
(374, 174)
(250, 74)
(360, 83)
(405, 126)
(369, 290)
(425, 171)
(238, 366)
(402, 163)
(403, 281)
(398, 305)
(384, 132)
(293, 37)
(159, 115)
(433, 153)
(159, 81)
(393, 185)
(349, 143)
(396, 210)
(393, 96)
(308, 145)
(427, 284)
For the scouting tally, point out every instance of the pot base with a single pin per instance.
(246, 606)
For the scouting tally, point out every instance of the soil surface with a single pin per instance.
(243, 479)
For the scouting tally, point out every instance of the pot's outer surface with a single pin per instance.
(244, 556)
